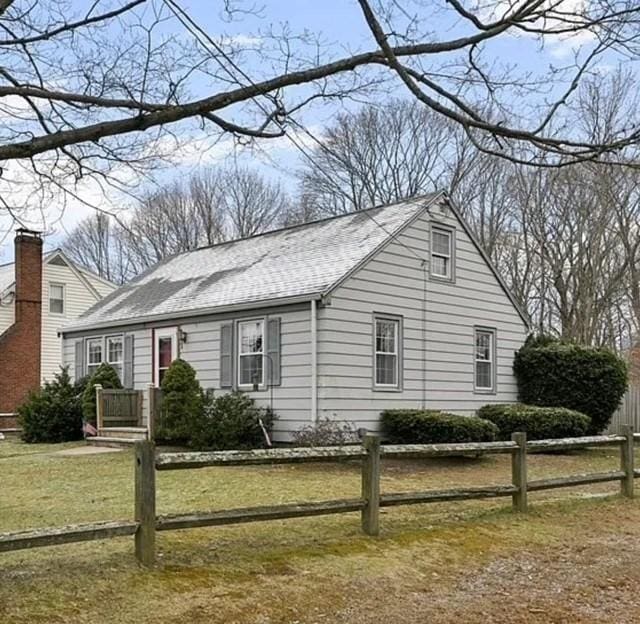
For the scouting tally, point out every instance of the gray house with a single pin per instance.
(396, 306)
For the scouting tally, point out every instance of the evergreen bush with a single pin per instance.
(589, 380)
(53, 413)
(402, 426)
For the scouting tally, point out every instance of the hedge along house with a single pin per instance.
(395, 306)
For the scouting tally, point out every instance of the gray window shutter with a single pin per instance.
(127, 367)
(273, 351)
(79, 361)
(226, 355)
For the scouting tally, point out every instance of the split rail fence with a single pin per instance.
(147, 523)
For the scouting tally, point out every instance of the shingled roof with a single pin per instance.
(295, 263)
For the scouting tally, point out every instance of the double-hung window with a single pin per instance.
(484, 360)
(115, 350)
(387, 352)
(94, 354)
(441, 252)
(251, 353)
(56, 298)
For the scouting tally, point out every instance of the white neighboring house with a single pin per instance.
(392, 307)
(68, 291)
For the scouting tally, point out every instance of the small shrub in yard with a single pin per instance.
(182, 404)
(540, 423)
(325, 432)
(432, 427)
(107, 377)
(53, 413)
(232, 421)
(586, 379)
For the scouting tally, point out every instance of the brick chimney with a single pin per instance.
(20, 344)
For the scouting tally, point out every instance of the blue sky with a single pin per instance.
(340, 25)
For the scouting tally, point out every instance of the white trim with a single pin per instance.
(238, 354)
(448, 258)
(396, 352)
(488, 331)
(88, 341)
(163, 332)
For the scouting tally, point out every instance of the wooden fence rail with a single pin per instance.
(146, 522)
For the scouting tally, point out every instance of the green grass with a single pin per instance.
(268, 572)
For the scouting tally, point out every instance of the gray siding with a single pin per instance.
(291, 399)
(392, 282)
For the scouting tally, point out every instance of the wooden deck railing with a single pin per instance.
(118, 408)
(146, 522)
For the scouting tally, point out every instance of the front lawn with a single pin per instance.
(436, 563)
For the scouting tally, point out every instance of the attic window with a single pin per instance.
(442, 252)
(56, 298)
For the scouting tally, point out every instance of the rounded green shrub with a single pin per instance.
(107, 377)
(53, 413)
(401, 426)
(232, 422)
(589, 380)
(540, 423)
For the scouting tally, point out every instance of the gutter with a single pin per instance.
(314, 362)
(188, 314)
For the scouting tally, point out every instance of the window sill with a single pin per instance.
(387, 389)
(484, 391)
(440, 278)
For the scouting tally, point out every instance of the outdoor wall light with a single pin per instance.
(183, 336)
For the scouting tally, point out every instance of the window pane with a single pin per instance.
(250, 369)
(164, 353)
(95, 352)
(114, 350)
(483, 346)
(386, 369)
(56, 306)
(56, 291)
(441, 243)
(251, 337)
(440, 266)
(386, 336)
(483, 375)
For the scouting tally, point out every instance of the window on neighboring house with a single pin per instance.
(94, 354)
(56, 298)
(251, 353)
(484, 360)
(115, 352)
(441, 252)
(387, 335)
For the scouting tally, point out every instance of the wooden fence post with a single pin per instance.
(627, 461)
(151, 417)
(519, 471)
(371, 485)
(145, 502)
(99, 407)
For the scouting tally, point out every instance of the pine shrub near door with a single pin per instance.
(182, 404)
(107, 377)
(433, 427)
(586, 379)
(53, 413)
(540, 423)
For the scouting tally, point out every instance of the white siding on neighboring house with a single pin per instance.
(77, 299)
(7, 315)
(392, 283)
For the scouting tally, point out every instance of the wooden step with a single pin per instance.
(112, 442)
(134, 433)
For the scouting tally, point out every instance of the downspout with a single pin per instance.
(314, 362)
